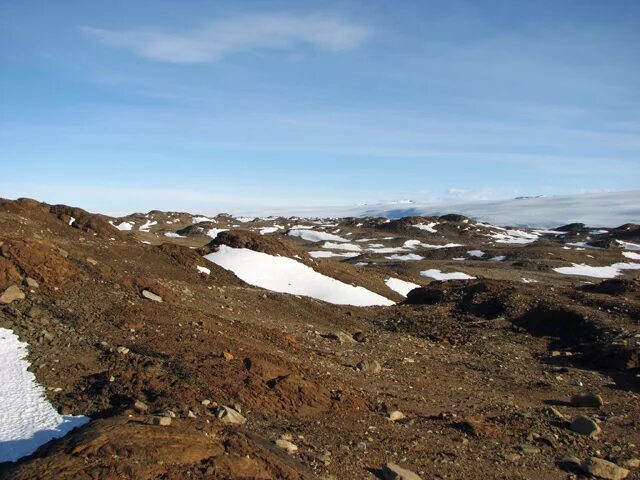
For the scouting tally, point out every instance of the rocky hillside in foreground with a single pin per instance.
(503, 353)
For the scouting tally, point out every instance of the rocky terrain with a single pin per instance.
(476, 351)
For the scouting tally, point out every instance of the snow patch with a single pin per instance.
(205, 270)
(514, 236)
(286, 275)
(342, 246)
(147, 226)
(439, 275)
(274, 229)
(202, 219)
(27, 419)
(628, 245)
(213, 232)
(400, 286)
(588, 271)
(406, 258)
(313, 236)
(327, 254)
(124, 226)
(427, 227)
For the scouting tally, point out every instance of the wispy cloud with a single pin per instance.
(239, 34)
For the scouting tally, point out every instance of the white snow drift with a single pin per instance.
(439, 275)
(282, 274)
(27, 419)
(584, 270)
(400, 286)
(313, 236)
(124, 226)
(328, 254)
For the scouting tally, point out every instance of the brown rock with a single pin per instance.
(151, 296)
(11, 294)
(391, 471)
(587, 400)
(140, 407)
(369, 366)
(229, 415)
(604, 469)
(161, 421)
(585, 426)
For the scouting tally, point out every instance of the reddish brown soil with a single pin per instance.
(474, 366)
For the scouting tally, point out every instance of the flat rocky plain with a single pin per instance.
(528, 370)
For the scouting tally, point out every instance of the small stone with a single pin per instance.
(11, 294)
(587, 400)
(151, 296)
(360, 337)
(122, 350)
(585, 426)
(190, 414)
(162, 421)
(529, 449)
(369, 366)
(140, 407)
(205, 402)
(31, 282)
(286, 445)
(631, 463)
(340, 337)
(554, 412)
(396, 415)
(391, 471)
(228, 356)
(92, 261)
(604, 469)
(229, 415)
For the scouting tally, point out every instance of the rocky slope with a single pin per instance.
(525, 371)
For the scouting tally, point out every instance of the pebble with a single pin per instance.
(585, 426)
(31, 282)
(162, 421)
(391, 471)
(396, 415)
(151, 296)
(11, 294)
(122, 350)
(229, 415)
(587, 400)
(631, 463)
(604, 469)
(360, 337)
(340, 337)
(369, 366)
(286, 445)
(140, 407)
(554, 412)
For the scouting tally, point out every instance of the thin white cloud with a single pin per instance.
(240, 34)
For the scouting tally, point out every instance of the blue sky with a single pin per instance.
(199, 105)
